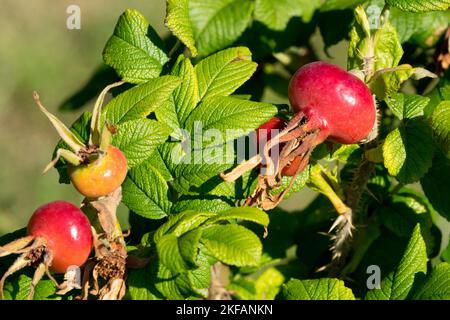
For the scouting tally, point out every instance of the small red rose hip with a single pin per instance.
(267, 131)
(102, 176)
(66, 231)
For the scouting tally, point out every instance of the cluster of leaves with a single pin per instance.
(185, 219)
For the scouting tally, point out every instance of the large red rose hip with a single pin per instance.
(330, 104)
(59, 236)
(334, 101)
(66, 231)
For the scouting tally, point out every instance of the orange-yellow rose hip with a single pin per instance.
(101, 177)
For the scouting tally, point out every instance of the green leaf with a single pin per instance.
(339, 4)
(422, 29)
(177, 20)
(233, 244)
(134, 49)
(169, 253)
(210, 19)
(440, 124)
(437, 284)
(145, 192)
(317, 289)
(265, 287)
(138, 139)
(191, 220)
(184, 98)
(140, 285)
(189, 245)
(408, 152)
(388, 49)
(389, 81)
(404, 211)
(225, 113)
(141, 100)
(182, 223)
(420, 5)
(156, 160)
(242, 213)
(165, 283)
(276, 15)
(222, 73)
(436, 187)
(191, 176)
(407, 106)
(18, 288)
(200, 204)
(397, 285)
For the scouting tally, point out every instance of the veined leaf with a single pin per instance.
(407, 106)
(242, 213)
(222, 73)
(145, 192)
(397, 285)
(138, 139)
(165, 282)
(437, 284)
(317, 289)
(330, 5)
(140, 101)
(177, 20)
(218, 23)
(189, 245)
(276, 15)
(134, 50)
(140, 285)
(440, 123)
(408, 152)
(169, 254)
(226, 113)
(233, 244)
(421, 29)
(200, 204)
(420, 5)
(184, 98)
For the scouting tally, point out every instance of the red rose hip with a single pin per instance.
(59, 236)
(330, 104)
(334, 101)
(67, 233)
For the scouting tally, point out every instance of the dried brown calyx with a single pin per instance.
(299, 139)
(108, 267)
(33, 252)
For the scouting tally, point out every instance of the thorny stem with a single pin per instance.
(353, 195)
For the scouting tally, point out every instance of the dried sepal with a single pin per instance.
(66, 135)
(94, 138)
(68, 155)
